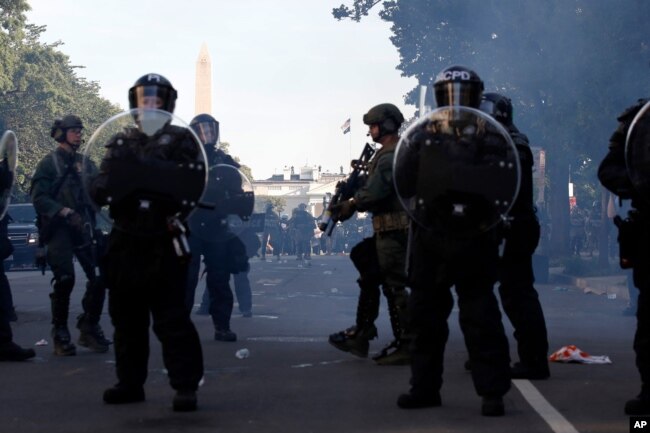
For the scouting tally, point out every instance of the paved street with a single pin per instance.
(294, 381)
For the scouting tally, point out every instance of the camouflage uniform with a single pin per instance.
(57, 184)
(390, 224)
(381, 259)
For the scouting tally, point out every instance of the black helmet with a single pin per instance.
(61, 126)
(458, 85)
(269, 206)
(153, 85)
(498, 106)
(387, 116)
(207, 128)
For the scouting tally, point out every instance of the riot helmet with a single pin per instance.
(60, 127)
(498, 106)
(302, 206)
(269, 207)
(386, 116)
(458, 85)
(151, 86)
(207, 128)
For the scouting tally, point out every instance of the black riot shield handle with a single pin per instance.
(345, 189)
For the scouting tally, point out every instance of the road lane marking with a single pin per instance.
(553, 418)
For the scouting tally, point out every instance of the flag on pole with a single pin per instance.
(346, 126)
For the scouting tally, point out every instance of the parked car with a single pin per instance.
(23, 234)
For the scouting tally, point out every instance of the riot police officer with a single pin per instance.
(451, 245)
(146, 258)
(302, 225)
(518, 295)
(65, 220)
(634, 237)
(222, 251)
(380, 259)
(9, 351)
(271, 234)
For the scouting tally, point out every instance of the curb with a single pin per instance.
(613, 286)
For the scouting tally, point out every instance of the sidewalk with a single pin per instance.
(612, 286)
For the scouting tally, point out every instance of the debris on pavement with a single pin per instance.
(571, 354)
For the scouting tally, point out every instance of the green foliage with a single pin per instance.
(38, 85)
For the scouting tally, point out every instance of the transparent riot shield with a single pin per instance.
(229, 203)
(146, 165)
(456, 170)
(637, 152)
(8, 161)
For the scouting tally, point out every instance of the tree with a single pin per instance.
(569, 68)
(38, 85)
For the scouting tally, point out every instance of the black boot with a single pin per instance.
(60, 334)
(120, 394)
(12, 352)
(398, 351)
(354, 340)
(639, 405)
(184, 401)
(91, 335)
(62, 344)
(492, 406)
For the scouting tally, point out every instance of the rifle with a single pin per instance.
(345, 189)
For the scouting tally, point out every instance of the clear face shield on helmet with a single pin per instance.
(149, 101)
(208, 132)
(465, 94)
(153, 96)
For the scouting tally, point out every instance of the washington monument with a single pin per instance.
(203, 92)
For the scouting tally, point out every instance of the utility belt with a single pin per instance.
(390, 221)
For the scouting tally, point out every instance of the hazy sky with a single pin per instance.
(285, 74)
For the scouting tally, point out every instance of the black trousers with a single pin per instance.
(521, 304)
(147, 281)
(215, 257)
(435, 266)
(642, 335)
(6, 305)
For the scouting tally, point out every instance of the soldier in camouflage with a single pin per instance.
(65, 218)
(381, 259)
